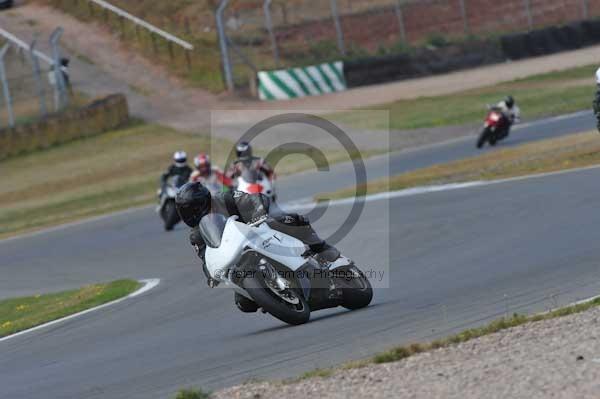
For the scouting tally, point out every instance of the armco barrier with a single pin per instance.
(291, 83)
(99, 116)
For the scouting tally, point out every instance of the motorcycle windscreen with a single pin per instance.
(211, 228)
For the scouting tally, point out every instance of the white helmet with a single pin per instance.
(180, 159)
(598, 76)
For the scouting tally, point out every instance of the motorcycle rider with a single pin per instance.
(208, 174)
(511, 112)
(246, 159)
(596, 103)
(179, 167)
(194, 201)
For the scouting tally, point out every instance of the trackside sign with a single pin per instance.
(291, 83)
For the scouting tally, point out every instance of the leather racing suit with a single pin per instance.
(252, 207)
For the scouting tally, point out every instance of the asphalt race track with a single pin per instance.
(456, 259)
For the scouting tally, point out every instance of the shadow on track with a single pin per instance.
(336, 313)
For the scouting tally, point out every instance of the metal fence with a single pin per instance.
(31, 86)
(278, 33)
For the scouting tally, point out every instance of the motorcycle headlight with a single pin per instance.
(495, 117)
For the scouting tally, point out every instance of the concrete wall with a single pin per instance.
(99, 116)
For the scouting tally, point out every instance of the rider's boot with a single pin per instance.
(299, 227)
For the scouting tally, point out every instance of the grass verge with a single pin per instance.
(541, 95)
(104, 173)
(192, 394)
(404, 351)
(569, 152)
(89, 176)
(20, 314)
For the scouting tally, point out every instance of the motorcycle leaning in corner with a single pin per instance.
(166, 207)
(276, 273)
(495, 128)
(499, 121)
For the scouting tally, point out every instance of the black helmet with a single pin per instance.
(243, 150)
(510, 101)
(193, 203)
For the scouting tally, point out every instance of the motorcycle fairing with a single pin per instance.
(239, 238)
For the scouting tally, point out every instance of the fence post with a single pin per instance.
(35, 62)
(463, 13)
(528, 12)
(585, 9)
(338, 27)
(400, 15)
(5, 89)
(269, 26)
(62, 96)
(227, 72)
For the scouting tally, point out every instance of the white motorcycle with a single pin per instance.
(275, 272)
(166, 207)
(252, 181)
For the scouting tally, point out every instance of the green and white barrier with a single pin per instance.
(301, 82)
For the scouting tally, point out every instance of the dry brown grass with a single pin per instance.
(112, 171)
(108, 172)
(551, 155)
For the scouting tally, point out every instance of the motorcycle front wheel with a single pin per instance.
(169, 215)
(286, 305)
(483, 137)
(357, 291)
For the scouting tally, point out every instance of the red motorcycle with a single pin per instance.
(495, 128)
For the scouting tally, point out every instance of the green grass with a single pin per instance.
(540, 95)
(582, 72)
(551, 155)
(404, 351)
(192, 394)
(20, 314)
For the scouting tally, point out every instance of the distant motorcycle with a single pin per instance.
(274, 272)
(166, 207)
(495, 128)
(254, 181)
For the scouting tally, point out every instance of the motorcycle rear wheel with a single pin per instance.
(272, 303)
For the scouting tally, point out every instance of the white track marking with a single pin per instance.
(301, 204)
(148, 285)
(581, 302)
(584, 301)
(427, 189)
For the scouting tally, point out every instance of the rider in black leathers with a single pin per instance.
(179, 167)
(194, 201)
